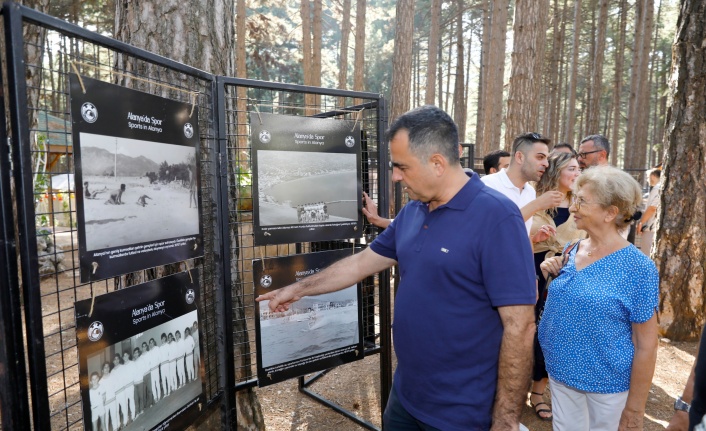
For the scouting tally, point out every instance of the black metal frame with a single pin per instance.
(385, 347)
(26, 405)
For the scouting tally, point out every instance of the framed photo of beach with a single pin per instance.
(317, 332)
(306, 179)
(137, 195)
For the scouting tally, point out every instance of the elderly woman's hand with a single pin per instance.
(631, 420)
(552, 266)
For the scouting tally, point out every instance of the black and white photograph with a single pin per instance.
(317, 332)
(138, 202)
(139, 356)
(306, 177)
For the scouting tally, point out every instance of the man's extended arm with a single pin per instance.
(514, 365)
(547, 200)
(370, 210)
(344, 273)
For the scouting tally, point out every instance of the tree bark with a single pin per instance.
(482, 148)
(643, 101)
(402, 59)
(493, 98)
(343, 63)
(430, 93)
(198, 34)
(459, 81)
(527, 57)
(618, 83)
(571, 103)
(593, 124)
(680, 250)
(359, 60)
(316, 46)
(307, 61)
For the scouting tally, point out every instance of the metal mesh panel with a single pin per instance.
(239, 101)
(55, 211)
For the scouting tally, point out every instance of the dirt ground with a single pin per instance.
(355, 387)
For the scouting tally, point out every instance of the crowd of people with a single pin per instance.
(538, 242)
(130, 385)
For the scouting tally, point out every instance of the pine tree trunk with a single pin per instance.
(459, 81)
(430, 92)
(643, 100)
(618, 83)
(681, 239)
(630, 147)
(527, 56)
(316, 46)
(402, 59)
(493, 98)
(552, 93)
(481, 145)
(307, 61)
(343, 64)
(561, 87)
(359, 58)
(594, 99)
(571, 103)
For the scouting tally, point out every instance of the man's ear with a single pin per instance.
(519, 157)
(492, 171)
(439, 163)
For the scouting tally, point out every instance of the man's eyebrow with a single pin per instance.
(397, 164)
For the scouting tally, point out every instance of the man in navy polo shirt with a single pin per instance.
(464, 312)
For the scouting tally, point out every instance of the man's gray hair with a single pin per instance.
(599, 141)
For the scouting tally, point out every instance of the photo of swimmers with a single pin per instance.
(141, 381)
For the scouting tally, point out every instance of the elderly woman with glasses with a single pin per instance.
(551, 230)
(599, 328)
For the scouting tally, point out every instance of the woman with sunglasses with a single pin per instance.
(551, 230)
(598, 331)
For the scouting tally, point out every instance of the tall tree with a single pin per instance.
(680, 251)
(459, 81)
(594, 92)
(359, 58)
(643, 100)
(482, 75)
(343, 63)
(493, 88)
(571, 103)
(402, 59)
(618, 81)
(198, 34)
(527, 58)
(430, 93)
(307, 61)
(316, 46)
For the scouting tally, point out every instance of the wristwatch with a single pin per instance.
(679, 404)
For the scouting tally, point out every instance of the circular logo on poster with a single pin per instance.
(188, 130)
(265, 137)
(95, 331)
(190, 296)
(350, 141)
(266, 281)
(89, 112)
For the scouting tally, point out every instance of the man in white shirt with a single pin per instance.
(528, 163)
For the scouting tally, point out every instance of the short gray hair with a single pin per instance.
(611, 186)
(599, 141)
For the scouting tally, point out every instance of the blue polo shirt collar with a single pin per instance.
(465, 196)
